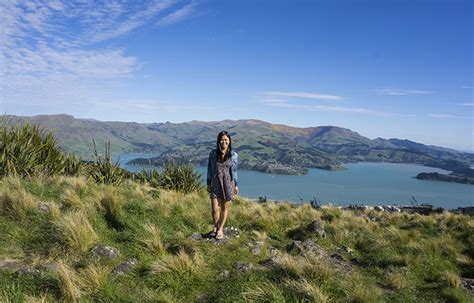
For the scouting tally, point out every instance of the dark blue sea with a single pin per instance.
(361, 183)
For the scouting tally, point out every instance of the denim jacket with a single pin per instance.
(212, 166)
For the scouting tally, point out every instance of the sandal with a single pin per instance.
(220, 235)
(213, 233)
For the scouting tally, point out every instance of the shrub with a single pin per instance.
(182, 178)
(103, 170)
(27, 150)
(178, 177)
(73, 165)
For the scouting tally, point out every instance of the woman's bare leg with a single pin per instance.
(215, 212)
(223, 216)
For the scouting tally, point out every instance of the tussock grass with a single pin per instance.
(15, 201)
(68, 282)
(76, 231)
(451, 279)
(179, 263)
(402, 257)
(264, 292)
(152, 239)
(70, 199)
(111, 205)
(307, 291)
(92, 277)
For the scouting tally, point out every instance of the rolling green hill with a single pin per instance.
(261, 145)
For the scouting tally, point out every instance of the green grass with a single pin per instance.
(403, 258)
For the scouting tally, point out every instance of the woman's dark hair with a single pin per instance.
(229, 148)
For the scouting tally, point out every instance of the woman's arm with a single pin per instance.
(209, 168)
(235, 165)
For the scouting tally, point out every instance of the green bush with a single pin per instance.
(178, 177)
(73, 165)
(27, 150)
(103, 170)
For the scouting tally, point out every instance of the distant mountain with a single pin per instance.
(261, 145)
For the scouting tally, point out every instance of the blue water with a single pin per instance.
(360, 183)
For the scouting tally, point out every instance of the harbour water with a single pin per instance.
(361, 183)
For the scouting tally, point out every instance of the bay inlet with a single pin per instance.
(361, 183)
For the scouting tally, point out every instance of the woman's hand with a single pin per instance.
(208, 188)
(236, 190)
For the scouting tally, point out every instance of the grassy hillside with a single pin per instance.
(49, 228)
(262, 146)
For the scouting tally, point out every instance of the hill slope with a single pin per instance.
(261, 145)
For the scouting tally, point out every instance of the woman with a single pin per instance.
(222, 181)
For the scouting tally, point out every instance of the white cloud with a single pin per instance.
(467, 86)
(44, 61)
(305, 95)
(340, 109)
(447, 116)
(401, 91)
(178, 15)
(467, 104)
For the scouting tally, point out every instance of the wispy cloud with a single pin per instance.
(49, 52)
(305, 95)
(340, 109)
(178, 15)
(447, 116)
(467, 104)
(401, 91)
(467, 86)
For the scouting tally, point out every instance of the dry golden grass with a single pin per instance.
(152, 239)
(310, 292)
(362, 291)
(92, 277)
(396, 280)
(15, 200)
(68, 283)
(71, 199)
(76, 230)
(111, 203)
(264, 292)
(451, 279)
(181, 262)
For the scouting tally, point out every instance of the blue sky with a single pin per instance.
(383, 68)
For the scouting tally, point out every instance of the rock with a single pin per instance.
(43, 206)
(195, 237)
(175, 248)
(243, 267)
(355, 261)
(378, 208)
(27, 270)
(273, 251)
(346, 249)
(273, 261)
(231, 232)
(468, 284)
(11, 264)
(102, 251)
(125, 267)
(224, 274)
(316, 227)
(337, 257)
(310, 249)
(257, 249)
(305, 247)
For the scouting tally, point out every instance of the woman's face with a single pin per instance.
(224, 142)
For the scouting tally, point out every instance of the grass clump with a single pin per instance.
(76, 230)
